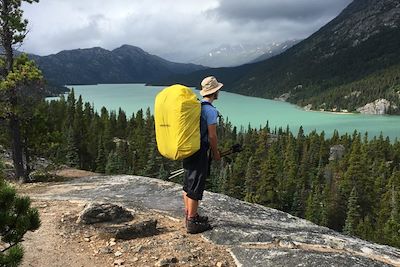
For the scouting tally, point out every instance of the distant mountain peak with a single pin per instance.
(227, 55)
(127, 47)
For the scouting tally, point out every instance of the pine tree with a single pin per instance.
(72, 155)
(80, 133)
(353, 214)
(267, 186)
(392, 226)
(251, 181)
(16, 218)
(287, 186)
(69, 121)
(113, 165)
(325, 208)
(15, 75)
(237, 178)
(313, 206)
(122, 125)
(101, 159)
(365, 229)
(162, 173)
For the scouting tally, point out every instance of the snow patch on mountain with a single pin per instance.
(228, 55)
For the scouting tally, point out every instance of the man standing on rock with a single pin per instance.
(196, 166)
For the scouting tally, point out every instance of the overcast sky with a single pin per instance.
(178, 30)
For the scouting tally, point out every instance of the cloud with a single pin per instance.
(176, 29)
(290, 10)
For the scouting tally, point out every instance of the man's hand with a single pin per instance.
(212, 138)
(217, 156)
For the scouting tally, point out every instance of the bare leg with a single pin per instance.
(185, 202)
(192, 207)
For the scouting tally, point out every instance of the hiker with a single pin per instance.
(196, 166)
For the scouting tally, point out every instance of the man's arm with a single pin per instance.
(212, 138)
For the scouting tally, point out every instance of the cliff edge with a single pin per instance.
(255, 235)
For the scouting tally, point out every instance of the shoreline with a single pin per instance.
(331, 112)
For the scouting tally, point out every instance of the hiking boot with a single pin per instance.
(197, 217)
(201, 218)
(194, 226)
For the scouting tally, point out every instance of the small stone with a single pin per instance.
(119, 262)
(125, 247)
(106, 250)
(186, 259)
(195, 250)
(87, 235)
(135, 259)
(112, 243)
(137, 249)
(118, 253)
(221, 264)
(87, 239)
(166, 262)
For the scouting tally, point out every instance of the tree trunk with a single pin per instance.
(17, 148)
(7, 42)
(27, 158)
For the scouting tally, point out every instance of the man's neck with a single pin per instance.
(209, 99)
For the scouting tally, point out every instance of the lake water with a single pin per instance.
(243, 110)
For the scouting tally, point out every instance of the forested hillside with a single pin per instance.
(349, 183)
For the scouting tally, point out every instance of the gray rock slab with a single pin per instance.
(299, 258)
(256, 235)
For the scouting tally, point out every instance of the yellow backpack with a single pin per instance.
(177, 122)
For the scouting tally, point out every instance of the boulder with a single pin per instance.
(336, 152)
(104, 212)
(141, 229)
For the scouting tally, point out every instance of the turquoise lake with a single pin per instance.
(242, 110)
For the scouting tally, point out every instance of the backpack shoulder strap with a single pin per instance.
(204, 103)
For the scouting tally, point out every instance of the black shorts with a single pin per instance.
(196, 170)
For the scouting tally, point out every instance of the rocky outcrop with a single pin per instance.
(104, 212)
(308, 107)
(255, 235)
(336, 152)
(378, 107)
(283, 97)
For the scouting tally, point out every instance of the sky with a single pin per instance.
(178, 30)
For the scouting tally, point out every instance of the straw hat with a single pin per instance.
(210, 85)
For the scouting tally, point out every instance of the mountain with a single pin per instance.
(348, 63)
(235, 55)
(126, 64)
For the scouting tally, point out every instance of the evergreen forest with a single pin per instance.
(349, 183)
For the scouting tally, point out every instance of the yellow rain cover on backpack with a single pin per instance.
(177, 122)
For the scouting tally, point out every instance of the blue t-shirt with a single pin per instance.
(209, 115)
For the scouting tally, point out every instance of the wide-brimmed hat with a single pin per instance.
(210, 85)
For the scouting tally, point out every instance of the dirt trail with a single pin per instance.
(60, 241)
